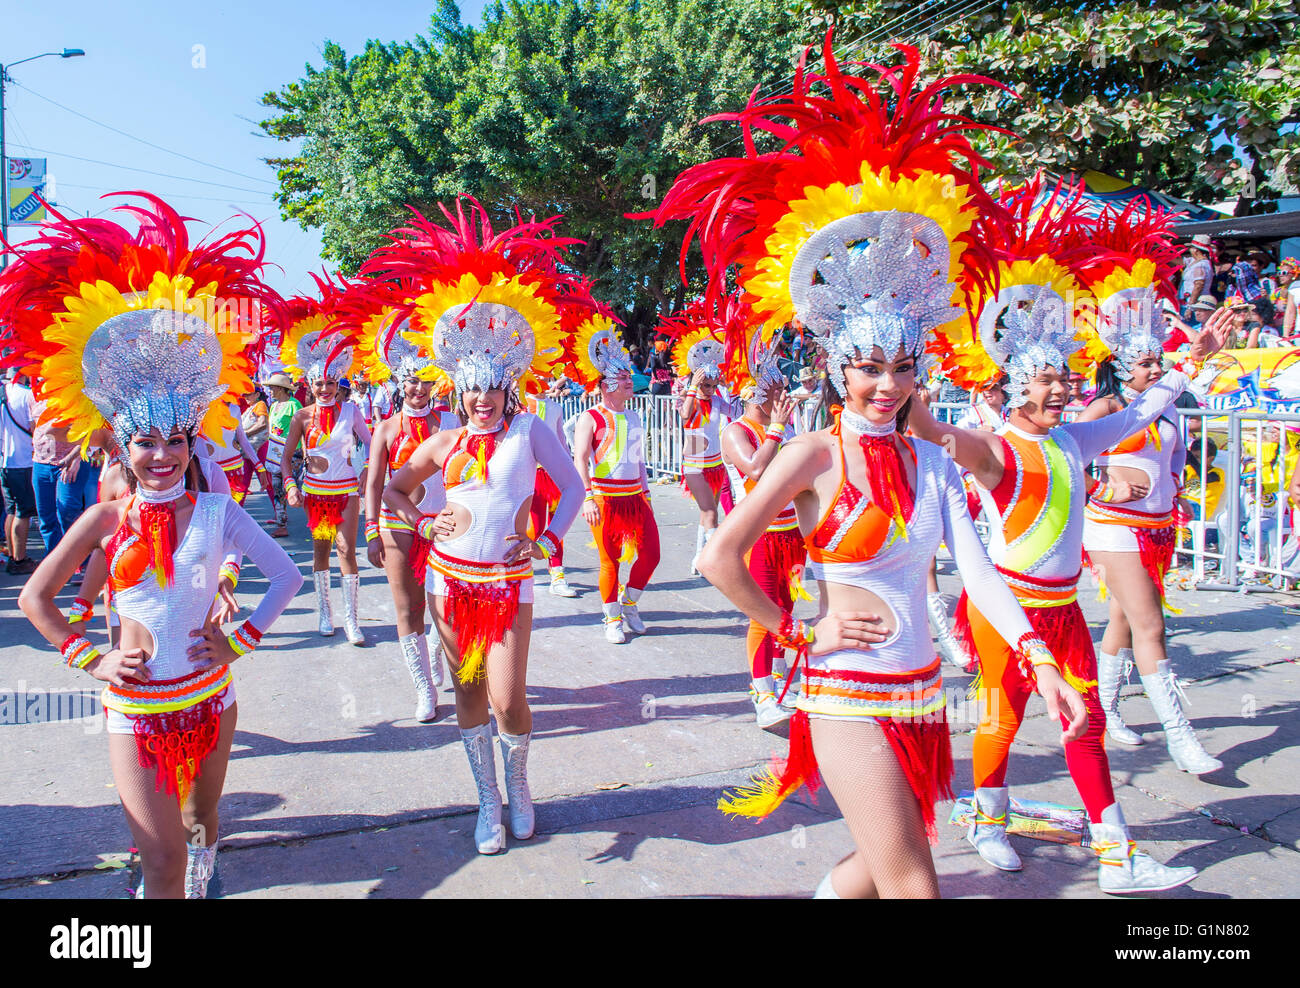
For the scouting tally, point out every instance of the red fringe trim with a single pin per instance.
(785, 554)
(623, 519)
(324, 513)
(480, 615)
(925, 754)
(418, 560)
(176, 743)
(1064, 631)
(1156, 550)
(239, 482)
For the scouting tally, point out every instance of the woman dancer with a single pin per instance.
(1031, 478)
(492, 322)
(328, 430)
(776, 562)
(869, 271)
(699, 354)
(391, 542)
(110, 354)
(609, 454)
(1130, 530)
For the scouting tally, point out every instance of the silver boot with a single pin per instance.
(415, 653)
(947, 643)
(988, 828)
(351, 588)
(1110, 669)
(200, 866)
(489, 835)
(322, 578)
(514, 753)
(1184, 748)
(1122, 867)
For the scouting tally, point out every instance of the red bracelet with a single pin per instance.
(78, 652)
(424, 527)
(245, 638)
(1030, 652)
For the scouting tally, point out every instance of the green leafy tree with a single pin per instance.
(1163, 94)
(579, 107)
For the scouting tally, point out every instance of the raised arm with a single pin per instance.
(1099, 435)
(974, 450)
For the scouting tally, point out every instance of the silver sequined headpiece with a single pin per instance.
(873, 280)
(313, 349)
(1026, 329)
(1132, 326)
(764, 368)
(400, 355)
(483, 346)
(706, 355)
(608, 355)
(152, 368)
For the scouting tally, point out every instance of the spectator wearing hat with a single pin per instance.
(1245, 274)
(1201, 310)
(283, 407)
(805, 398)
(1197, 275)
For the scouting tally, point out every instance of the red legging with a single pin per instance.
(1003, 696)
(634, 515)
(769, 564)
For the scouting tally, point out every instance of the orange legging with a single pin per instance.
(634, 517)
(1003, 695)
(769, 563)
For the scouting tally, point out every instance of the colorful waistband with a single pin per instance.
(475, 572)
(165, 695)
(231, 463)
(786, 521)
(702, 462)
(1033, 591)
(609, 487)
(841, 692)
(1114, 514)
(328, 488)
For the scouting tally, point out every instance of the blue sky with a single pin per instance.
(144, 76)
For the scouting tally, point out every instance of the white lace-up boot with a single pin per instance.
(1122, 867)
(322, 578)
(701, 537)
(351, 587)
(1111, 669)
(415, 653)
(514, 753)
(200, 866)
(947, 643)
(614, 623)
(1166, 696)
(489, 835)
(767, 712)
(433, 645)
(631, 618)
(559, 585)
(987, 832)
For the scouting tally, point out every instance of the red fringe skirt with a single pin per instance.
(324, 514)
(1064, 631)
(715, 477)
(175, 744)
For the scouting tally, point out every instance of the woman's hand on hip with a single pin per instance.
(847, 629)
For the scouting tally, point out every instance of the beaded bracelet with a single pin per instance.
(1107, 495)
(372, 531)
(244, 639)
(78, 652)
(794, 633)
(1033, 651)
(81, 610)
(776, 432)
(548, 543)
(229, 571)
(290, 484)
(424, 527)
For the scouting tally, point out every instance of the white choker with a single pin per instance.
(326, 404)
(421, 413)
(474, 430)
(862, 426)
(161, 497)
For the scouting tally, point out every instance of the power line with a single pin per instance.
(141, 140)
(173, 195)
(146, 171)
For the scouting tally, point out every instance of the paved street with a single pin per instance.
(334, 791)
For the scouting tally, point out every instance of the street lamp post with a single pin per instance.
(4, 160)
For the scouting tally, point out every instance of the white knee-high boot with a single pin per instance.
(326, 623)
(200, 866)
(1184, 748)
(1110, 670)
(514, 752)
(415, 653)
(488, 833)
